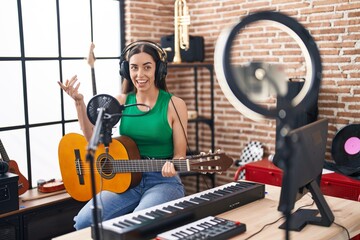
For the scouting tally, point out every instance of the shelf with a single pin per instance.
(206, 120)
(200, 119)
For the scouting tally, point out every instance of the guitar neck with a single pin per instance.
(148, 165)
(93, 80)
(3, 153)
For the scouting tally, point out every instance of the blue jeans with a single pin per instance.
(153, 189)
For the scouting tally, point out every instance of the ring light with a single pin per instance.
(225, 74)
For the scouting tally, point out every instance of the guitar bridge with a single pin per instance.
(78, 166)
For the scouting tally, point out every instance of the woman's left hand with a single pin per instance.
(168, 170)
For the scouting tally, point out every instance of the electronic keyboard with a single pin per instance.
(209, 228)
(148, 223)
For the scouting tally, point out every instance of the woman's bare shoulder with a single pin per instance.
(179, 104)
(121, 98)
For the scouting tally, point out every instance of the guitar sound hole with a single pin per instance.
(104, 166)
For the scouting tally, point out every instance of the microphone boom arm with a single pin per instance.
(95, 138)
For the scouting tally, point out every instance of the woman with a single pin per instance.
(161, 133)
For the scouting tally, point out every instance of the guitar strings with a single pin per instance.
(124, 166)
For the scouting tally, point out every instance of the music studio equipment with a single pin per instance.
(112, 114)
(4, 166)
(9, 197)
(210, 228)
(346, 146)
(305, 116)
(195, 53)
(91, 61)
(161, 65)
(104, 111)
(244, 97)
(11, 166)
(345, 151)
(121, 167)
(148, 223)
(181, 23)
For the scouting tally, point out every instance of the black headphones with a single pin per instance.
(161, 64)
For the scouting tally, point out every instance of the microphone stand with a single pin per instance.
(93, 143)
(102, 133)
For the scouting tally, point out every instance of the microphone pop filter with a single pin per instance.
(111, 105)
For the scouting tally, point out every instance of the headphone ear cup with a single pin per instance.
(4, 167)
(161, 71)
(124, 70)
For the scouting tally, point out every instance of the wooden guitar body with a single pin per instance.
(23, 183)
(80, 189)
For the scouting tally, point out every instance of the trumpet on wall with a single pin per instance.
(181, 22)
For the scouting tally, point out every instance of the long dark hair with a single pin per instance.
(127, 85)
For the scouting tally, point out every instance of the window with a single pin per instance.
(45, 41)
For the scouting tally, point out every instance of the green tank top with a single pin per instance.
(151, 132)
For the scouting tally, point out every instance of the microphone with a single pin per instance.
(113, 109)
(111, 112)
(110, 105)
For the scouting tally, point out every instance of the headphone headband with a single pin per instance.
(162, 53)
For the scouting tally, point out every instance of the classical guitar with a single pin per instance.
(120, 168)
(23, 183)
(91, 62)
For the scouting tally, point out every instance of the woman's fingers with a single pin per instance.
(71, 87)
(168, 170)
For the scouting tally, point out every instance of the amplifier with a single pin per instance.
(9, 195)
(195, 53)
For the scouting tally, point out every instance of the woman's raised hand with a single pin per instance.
(71, 89)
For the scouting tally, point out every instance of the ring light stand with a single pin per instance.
(285, 113)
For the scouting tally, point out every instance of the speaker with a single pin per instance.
(195, 53)
(9, 195)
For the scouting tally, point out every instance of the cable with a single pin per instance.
(346, 230)
(187, 142)
(269, 224)
(182, 126)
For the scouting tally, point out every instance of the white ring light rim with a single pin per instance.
(219, 57)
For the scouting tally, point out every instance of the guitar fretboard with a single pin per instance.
(93, 80)
(148, 165)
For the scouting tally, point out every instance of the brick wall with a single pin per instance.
(334, 24)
